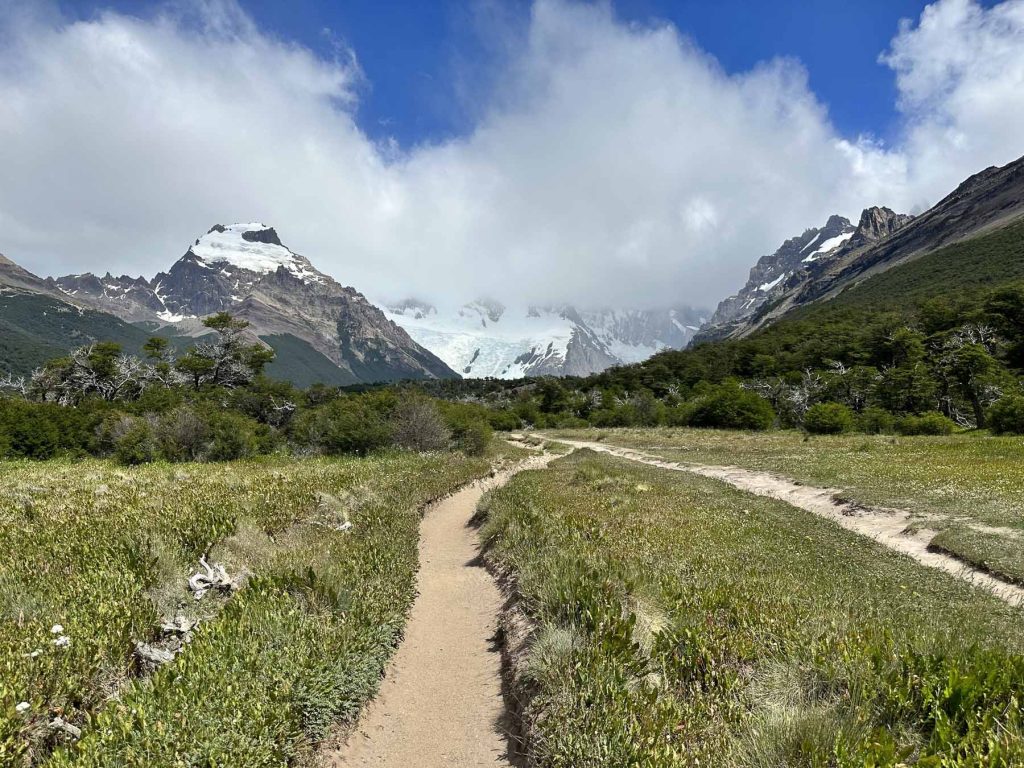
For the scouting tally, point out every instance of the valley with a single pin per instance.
(463, 459)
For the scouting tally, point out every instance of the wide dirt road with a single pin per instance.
(441, 702)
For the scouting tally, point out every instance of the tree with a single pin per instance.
(1005, 307)
(97, 370)
(228, 362)
(967, 364)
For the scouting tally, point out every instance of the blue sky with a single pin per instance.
(424, 61)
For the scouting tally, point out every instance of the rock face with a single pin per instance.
(130, 298)
(486, 339)
(882, 240)
(246, 270)
(771, 272)
(15, 278)
(877, 224)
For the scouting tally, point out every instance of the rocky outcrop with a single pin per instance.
(130, 298)
(877, 224)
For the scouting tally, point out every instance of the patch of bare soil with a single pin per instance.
(895, 528)
(441, 703)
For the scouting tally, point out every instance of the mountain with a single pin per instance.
(986, 202)
(321, 330)
(39, 323)
(486, 339)
(771, 271)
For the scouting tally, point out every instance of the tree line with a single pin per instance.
(929, 367)
(212, 403)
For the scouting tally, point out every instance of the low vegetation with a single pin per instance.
(680, 622)
(101, 633)
(213, 403)
(968, 487)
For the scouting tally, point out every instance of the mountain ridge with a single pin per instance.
(881, 241)
(246, 270)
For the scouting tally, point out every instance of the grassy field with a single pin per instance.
(968, 487)
(97, 557)
(684, 623)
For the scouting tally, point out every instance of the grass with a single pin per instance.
(105, 552)
(682, 622)
(969, 487)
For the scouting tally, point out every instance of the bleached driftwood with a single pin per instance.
(212, 577)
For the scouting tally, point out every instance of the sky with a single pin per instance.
(634, 153)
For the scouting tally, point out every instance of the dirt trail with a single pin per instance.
(441, 701)
(893, 528)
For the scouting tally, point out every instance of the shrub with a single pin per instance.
(875, 421)
(37, 430)
(133, 440)
(182, 435)
(346, 425)
(1006, 416)
(729, 406)
(925, 424)
(417, 424)
(232, 436)
(828, 419)
(471, 430)
(504, 420)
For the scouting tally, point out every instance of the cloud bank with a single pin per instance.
(611, 164)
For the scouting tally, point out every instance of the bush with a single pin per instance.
(417, 424)
(182, 435)
(828, 419)
(729, 406)
(504, 420)
(346, 425)
(875, 421)
(1006, 416)
(133, 440)
(44, 430)
(470, 427)
(926, 424)
(232, 436)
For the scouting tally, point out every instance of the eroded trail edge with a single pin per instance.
(441, 703)
(893, 528)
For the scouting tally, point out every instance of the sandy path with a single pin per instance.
(886, 526)
(441, 701)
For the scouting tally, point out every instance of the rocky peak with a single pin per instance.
(268, 236)
(877, 223)
(772, 272)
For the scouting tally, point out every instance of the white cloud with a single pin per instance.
(613, 163)
(960, 75)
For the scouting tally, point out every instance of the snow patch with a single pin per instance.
(829, 245)
(229, 247)
(773, 283)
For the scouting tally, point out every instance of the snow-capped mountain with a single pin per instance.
(329, 331)
(486, 339)
(798, 259)
(771, 271)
